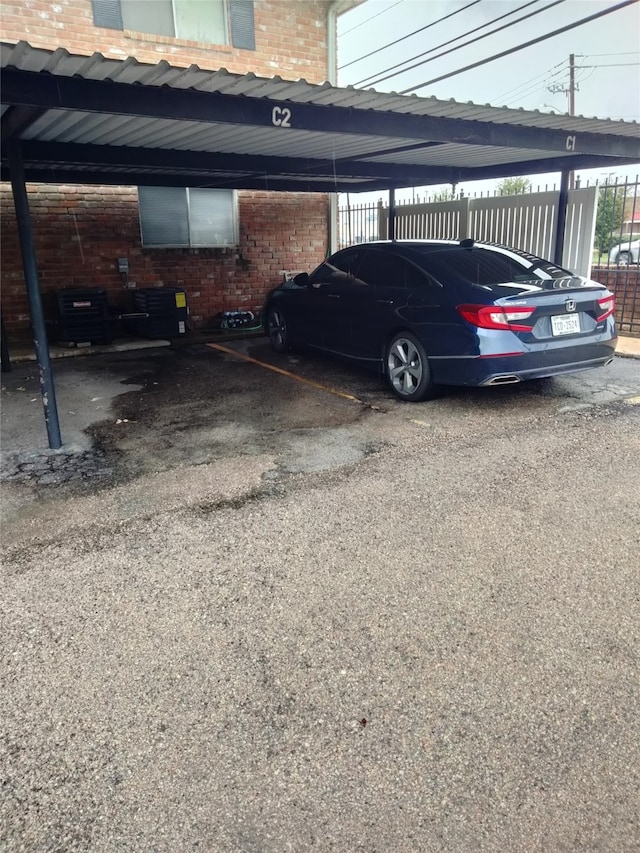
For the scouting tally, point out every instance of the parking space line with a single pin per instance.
(295, 376)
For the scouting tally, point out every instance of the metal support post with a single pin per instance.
(563, 199)
(4, 345)
(392, 214)
(41, 343)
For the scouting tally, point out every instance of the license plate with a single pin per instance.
(565, 324)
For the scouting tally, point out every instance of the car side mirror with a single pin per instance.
(301, 279)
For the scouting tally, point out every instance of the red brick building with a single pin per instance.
(81, 231)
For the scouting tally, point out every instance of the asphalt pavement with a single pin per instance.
(274, 617)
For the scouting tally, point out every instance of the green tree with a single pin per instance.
(608, 218)
(445, 193)
(514, 186)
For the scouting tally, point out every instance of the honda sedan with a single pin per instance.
(436, 312)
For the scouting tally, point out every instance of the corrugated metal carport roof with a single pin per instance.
(91, 119)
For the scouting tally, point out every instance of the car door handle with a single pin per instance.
(333, 295)
(386, 301)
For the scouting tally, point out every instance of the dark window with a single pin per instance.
(478, 266)
(384, 269)
(339, 269)
(417, 278)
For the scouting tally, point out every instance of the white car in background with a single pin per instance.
(625, 253)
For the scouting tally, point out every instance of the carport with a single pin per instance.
(71, 119)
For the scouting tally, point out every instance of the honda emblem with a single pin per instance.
(570, 304)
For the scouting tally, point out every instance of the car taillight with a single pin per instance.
(497, 317)
(606, 306)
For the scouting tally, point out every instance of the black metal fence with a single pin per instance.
(358, 223)
(616, 250)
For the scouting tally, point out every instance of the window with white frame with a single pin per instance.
(182, 217)
(209, 21)
(193, 20)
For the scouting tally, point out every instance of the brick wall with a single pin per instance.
(624, 283)
(291, 38)
(80, 232)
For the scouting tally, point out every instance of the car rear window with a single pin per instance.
(485, 267)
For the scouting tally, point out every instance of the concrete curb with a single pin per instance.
(628, 347)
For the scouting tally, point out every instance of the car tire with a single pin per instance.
(407, 369)
(278, 330)
(624, 259)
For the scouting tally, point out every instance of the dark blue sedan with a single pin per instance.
(435, 312)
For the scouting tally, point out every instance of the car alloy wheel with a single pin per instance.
(407, 369)
(277, 330)
(624, 258)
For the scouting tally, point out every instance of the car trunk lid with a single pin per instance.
(557, 308)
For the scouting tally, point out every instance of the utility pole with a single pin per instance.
(570, 92)
(572, 84)
(569, 89)
(572, 105)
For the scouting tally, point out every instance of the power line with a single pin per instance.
(371, 81)
(515, 101)
(610, 65)
(586, 72)
(381, 12)
(464, 44)
(584, 78)
(415, 32)
(529, 85)
(628, 53)
(530, 43)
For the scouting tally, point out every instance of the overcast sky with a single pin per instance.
(607, 53)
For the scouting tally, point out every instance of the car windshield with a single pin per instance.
(485, 267)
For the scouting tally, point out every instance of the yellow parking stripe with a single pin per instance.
(287, 373)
